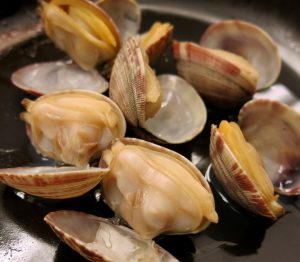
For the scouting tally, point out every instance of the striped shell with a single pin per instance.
(222, 78)
(52, 182)
(98, 239)
(249, 41)
(236, 182)
(273, 129)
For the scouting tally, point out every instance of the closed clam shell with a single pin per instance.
(52, 182)
(223, 79)
(73, 126)
(242, 174)
(47, 77)
(99, 239)
(167, 106)
(81, 29)
(125, 13)
(273, 129)
(156, 190)
(249, 41)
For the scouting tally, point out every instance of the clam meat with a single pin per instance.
(156, 190)
(223, 79)
(98, 239)
(73, 126)
(273, 129)
(249, 41)
(241, 172)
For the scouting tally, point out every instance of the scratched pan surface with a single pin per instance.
(239, 236)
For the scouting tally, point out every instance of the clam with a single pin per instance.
(52, 182)
(125, 13)
(47, 77)
(155, 41)
(223, 79)
(156, 190)
(273, 129)
(248, 41)
(81, 29)
(167, 107)
(73, 126)
(98, 239)
(241, 172)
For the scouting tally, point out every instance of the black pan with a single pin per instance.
(239, 236)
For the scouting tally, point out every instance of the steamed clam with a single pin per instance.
(241, 172)
(249, 41)
(223, 79)
(273, 129)
(148, 101)
(82, 30)
(155, 189)
(73, 126)
(98, 239)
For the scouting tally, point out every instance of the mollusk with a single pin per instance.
(249, 41)
(156, 40)
(148, 102)
(222, 78)
(98, 239)
(44, 78)
(126, 14)
(52, 182)
(241, 172)
(156, 190)
(82, 30)
(273, 129)
(73, 126)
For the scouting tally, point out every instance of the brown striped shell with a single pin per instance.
(273, 129)
(98, 239)
(52, 182)
(236, 181)
(222, 78)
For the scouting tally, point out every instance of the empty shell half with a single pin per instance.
(249, 41)
(273, 129)
(223, 79)
(44, 78)
(98, 239)
(73, 126)
(167, 107)
(156, 190)
(126, 14)
(52, 182)
(241, 172)
(81, 29)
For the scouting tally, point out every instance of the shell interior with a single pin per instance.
(182, 115)
(248, 41)
(52, 182)
(44, 78)
(98, 239)
(274, 130)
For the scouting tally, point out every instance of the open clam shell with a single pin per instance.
(98, 239)
(73, 126)
(167, 107)
(156, 190)
(241, 172)
(273, 129)
(250, 42)
(44, 78)
(223, 79)
(126, 14)
(52, 182)
(81, 29)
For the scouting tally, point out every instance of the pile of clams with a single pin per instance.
(153, 189)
